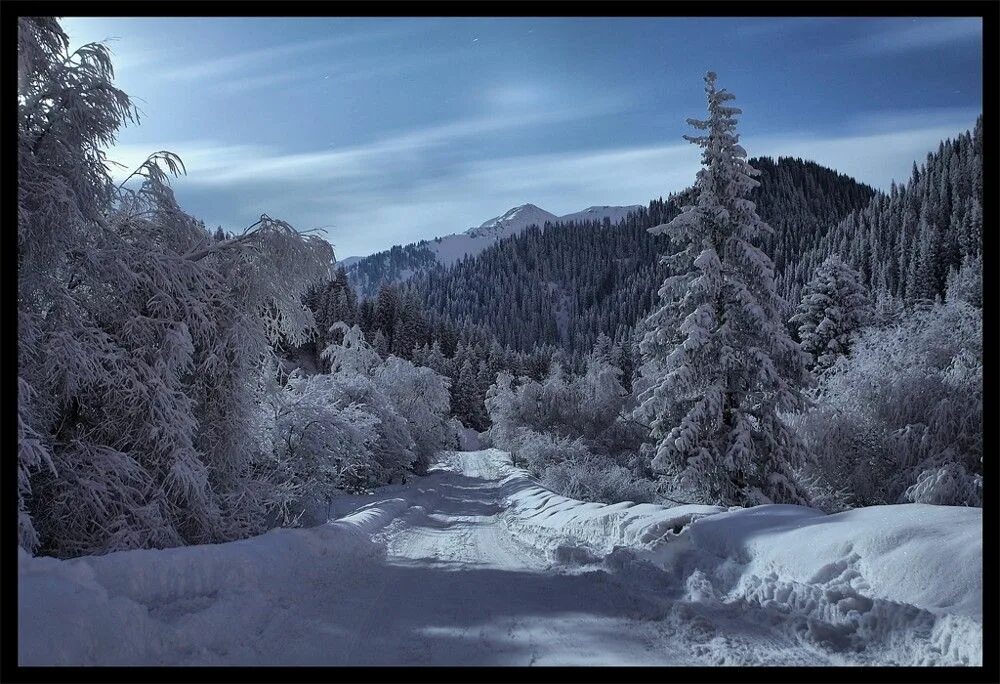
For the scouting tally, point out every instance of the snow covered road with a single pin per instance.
(475, 564)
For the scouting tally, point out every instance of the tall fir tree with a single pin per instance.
(718, 364)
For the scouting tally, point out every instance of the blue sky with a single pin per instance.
(385, 131)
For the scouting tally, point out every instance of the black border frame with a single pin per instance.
(988, 10)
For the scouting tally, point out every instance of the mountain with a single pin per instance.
(403, 262)
(512, 222)
(566, 285)
(538, 295)
(598, 214)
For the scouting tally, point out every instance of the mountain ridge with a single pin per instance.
(400, 262)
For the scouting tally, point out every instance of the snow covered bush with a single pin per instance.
(422, 398)
(319, 444)
(902, 417)
(142, 342)
(569, 431)
(949, 485)
(595, 477)
(366, 423)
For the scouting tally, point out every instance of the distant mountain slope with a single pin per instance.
(567, 284)
(403, 262)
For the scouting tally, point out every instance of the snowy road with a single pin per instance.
(474, 564)
(483, 597)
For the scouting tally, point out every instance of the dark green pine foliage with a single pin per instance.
(906, 242)
(567, 284)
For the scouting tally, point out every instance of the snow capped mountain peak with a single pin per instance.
(513, 221)
(599, 213)
(448, 250)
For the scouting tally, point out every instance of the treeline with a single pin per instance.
(906, 242)
(566, 284)
(395, 323)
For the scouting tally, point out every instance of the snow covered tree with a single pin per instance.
(319, 445)
(833, 311)
(718, 365)
(966, 282)
(421, 396)
(142, 341)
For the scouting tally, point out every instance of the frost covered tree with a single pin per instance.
(421, 396)
(319, 444)
(833, 311)
(142, 341)
(718, 365)
(571, 431)
(965, 283)
(901, 418)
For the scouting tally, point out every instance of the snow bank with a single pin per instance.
(903, 579)
(882, 585)
(555, 521)
(150, 607)
(906, 579)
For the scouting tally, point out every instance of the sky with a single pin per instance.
(386, 131)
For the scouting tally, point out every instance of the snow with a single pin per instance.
(450, 249)
(513, 221)
(614, 214)
(477, 564)
(347, 262)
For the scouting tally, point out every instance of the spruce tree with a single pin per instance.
(718, 364)
(833, 311)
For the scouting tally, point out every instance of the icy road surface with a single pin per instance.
(475, 564)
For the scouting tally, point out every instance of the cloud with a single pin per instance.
(920, 34)
(887, 121)
(265, 57)
(212, 163)
(369, 197)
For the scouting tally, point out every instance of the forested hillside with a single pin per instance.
(558, 289)
(906, 242)
(567, 284)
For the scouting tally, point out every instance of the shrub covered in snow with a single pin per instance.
(569, 431)
(949, 485)
(321, 442)
(421, 397)
(903, 415)
(366, 423)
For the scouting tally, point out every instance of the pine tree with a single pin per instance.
(718, 363)
(833, 311)
(464, 397)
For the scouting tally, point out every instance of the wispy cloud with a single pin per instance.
(212, 163)
(369, 197)
(921, 33)
(886, 121)
(265, 57)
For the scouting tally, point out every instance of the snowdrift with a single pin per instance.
(906, 579)
(882, 585)
(149, 607)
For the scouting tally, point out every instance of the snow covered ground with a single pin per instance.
(475, 564)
